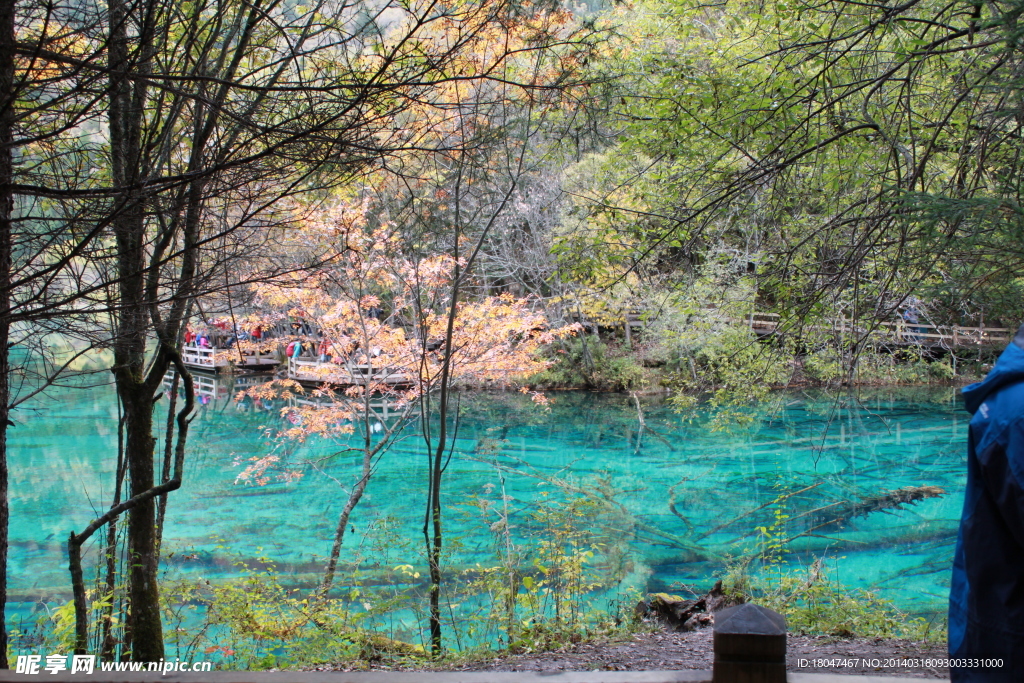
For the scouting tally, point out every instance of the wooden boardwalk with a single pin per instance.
(899, 333)
(345, 375)
(875, 332)
(216, 360)
(315, 372)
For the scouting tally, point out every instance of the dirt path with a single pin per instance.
(673, 650)
(693, 650)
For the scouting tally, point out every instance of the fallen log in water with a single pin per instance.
(825, 519)
(837, 513)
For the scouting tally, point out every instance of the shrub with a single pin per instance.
(587, 362)
(827, 367)
(256, 622)
(814, 603)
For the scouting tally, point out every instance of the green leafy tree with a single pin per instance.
(854, 154)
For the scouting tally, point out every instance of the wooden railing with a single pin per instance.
(204, 359)
(307, 370)
(903, 333)
(259, 358)
(947, 336)
(215, 359)
(344, 375)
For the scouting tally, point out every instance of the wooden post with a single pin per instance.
(750, 645)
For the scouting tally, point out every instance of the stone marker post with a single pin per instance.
(750, 645)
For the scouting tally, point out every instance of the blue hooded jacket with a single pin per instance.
(986, 601)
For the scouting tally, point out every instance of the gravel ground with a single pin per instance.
(693, 650)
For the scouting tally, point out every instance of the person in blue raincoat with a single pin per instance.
(986, 600)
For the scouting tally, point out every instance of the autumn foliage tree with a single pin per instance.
(362, 309)
(158, 140)
(436, 211)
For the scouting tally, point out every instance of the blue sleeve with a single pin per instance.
(1002, 470)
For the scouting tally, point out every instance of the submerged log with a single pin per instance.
(838, 513)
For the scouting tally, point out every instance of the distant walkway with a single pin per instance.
(881, 333)
(900, 333)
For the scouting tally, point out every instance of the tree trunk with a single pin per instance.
(161, 510)
(149, 594)
(144, 634)
(434, 546)
(434, 535)
(147, 642)
(136, 396)
(6, 211)
(346, 512)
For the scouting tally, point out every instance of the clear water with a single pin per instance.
(673, 479)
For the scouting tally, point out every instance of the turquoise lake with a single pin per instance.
(673, 482)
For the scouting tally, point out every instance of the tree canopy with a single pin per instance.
(488, 177)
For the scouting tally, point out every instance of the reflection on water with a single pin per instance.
(683, 498)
